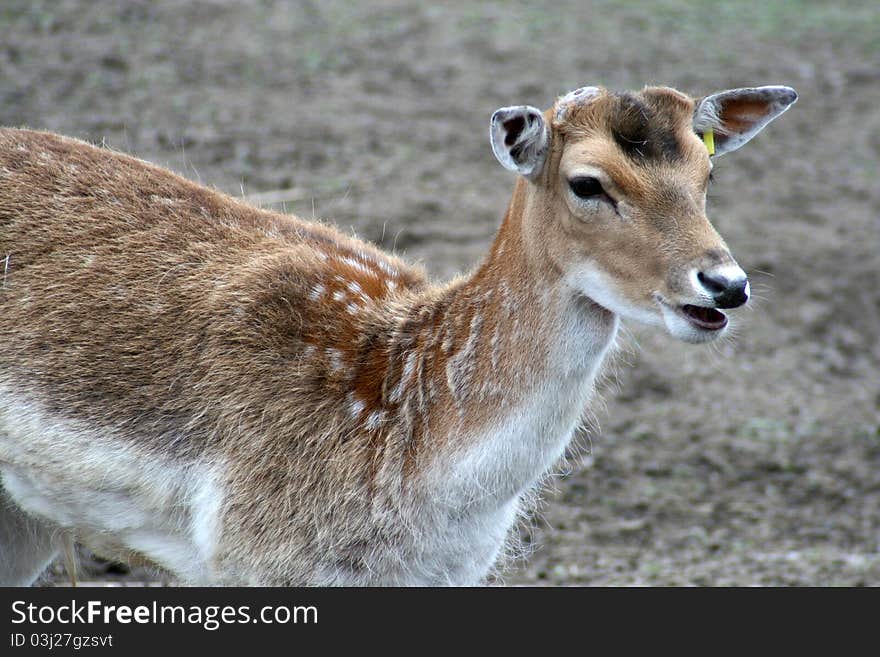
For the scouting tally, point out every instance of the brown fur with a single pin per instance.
(325, 378)
(134, 298)
(665, 182)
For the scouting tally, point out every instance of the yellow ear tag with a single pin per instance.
(709, 140)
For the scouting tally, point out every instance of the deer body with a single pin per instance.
(242, 397)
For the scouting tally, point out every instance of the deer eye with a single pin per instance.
(587, 188)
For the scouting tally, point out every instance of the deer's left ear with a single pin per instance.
(737, 115)
(520, 139)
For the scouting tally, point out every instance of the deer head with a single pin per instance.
(614, 188)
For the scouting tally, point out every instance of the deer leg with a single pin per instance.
(26, 544)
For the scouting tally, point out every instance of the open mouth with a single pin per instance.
(708, 319)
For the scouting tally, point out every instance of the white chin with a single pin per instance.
(684, 330)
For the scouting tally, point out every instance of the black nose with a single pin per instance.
(727, 293)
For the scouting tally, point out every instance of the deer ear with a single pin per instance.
(520, 139)
(737, 115)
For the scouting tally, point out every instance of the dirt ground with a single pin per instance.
(752, 462)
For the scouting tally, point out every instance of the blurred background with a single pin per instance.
(756, 461)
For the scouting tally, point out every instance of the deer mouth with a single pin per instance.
(708, 319)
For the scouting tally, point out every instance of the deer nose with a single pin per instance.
(729, 287)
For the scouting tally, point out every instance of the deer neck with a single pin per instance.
(504, 364)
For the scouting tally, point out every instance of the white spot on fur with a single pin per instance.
(317, 292)
(495, 344)
(388, 269)
(355, 406)
(374, 420)
(370, 260)
(508, 303)
(462, 366)
(354, 264)
(163, 200)
(409, 366)
(335, 358)
(355, 288)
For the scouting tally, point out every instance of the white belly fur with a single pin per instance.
(113, 494)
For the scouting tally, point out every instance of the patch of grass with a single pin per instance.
(765, 428)
(791, 21)
(719, 28)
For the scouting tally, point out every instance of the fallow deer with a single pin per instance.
(242, 397)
